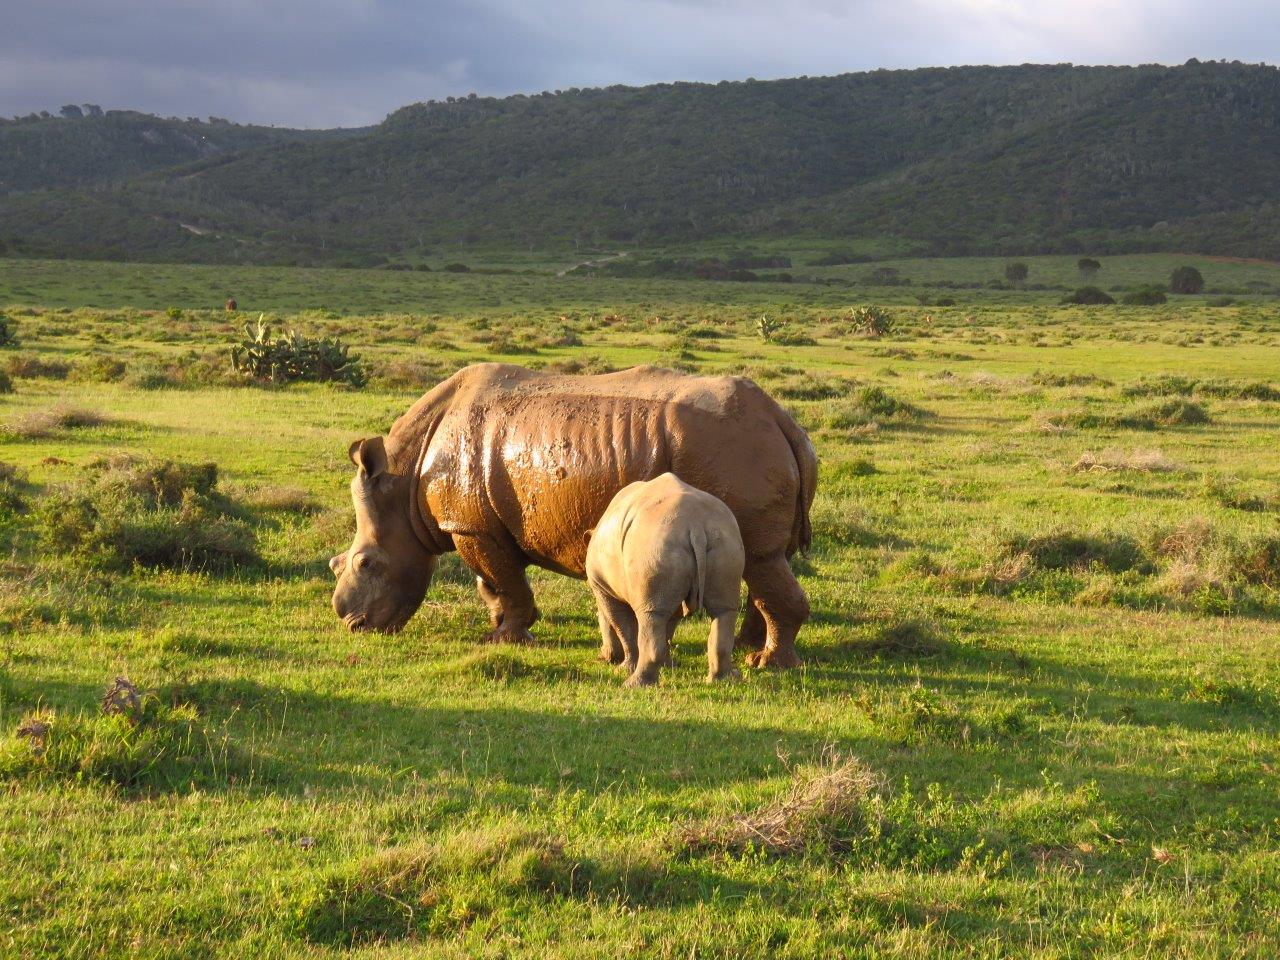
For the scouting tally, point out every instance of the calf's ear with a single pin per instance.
(370, 455)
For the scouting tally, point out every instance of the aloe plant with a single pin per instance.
(291, 356)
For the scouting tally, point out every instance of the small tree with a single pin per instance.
(1186, 280)
(1016, 272)
(1088, 267)
(767, 328)
(71, 112)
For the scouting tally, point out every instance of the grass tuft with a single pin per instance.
(822, 811)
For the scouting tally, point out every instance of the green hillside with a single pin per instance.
(976, 160)
(49, 152)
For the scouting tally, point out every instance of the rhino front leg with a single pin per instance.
(503, 586)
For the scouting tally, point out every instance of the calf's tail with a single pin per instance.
(697, 590)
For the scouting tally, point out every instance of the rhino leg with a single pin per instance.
(617, 631)
(492, 601)
(783, 606)
(654, 641)
(753, 633)
(503, 585)
(720, 649)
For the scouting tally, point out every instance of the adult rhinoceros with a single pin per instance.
(512, 467)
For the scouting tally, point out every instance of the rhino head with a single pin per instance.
(384, 575)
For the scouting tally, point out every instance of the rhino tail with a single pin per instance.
(807, 465)
(697, 590)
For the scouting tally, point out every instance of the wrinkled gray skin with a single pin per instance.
(383, 577)
(663, 550)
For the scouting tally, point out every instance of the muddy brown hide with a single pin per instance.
(515, 467)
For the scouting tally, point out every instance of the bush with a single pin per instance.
(871, 405)
(871, 321)
(6, 384)
(1016, 272)
(99, 369)
(1089, 296)
(30, 367)
(153, 513)
(7, 336)
(1186, 280)
(44, 423)
(293, 357)
(456, 268)
(1145, 297)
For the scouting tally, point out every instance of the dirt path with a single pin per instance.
(591, 263)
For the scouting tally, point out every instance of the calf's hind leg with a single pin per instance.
(784, 607)
(653, 637)
(720, 648)
(617, 630)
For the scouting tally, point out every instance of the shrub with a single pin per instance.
(768, 327)
(1072, 550)
(293, 357)
(151, 513)
(100, 369)
(808, 387)
(7, 337)
(1016, 272)
(1186, 280)
(6, 384)
(871, 321)
(30, 367)
(1176, 413)
(1090, 296)
(44, 423)
(456, 268)
(870, 405)
(1144, 297)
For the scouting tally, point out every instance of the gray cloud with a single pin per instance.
(349, 62)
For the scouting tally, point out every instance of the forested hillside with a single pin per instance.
(40, 152)
(943, 161)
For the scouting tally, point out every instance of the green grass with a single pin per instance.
(532, 282)
(1051, 650)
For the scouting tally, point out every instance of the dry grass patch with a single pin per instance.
(824, 810)
(45, 423)
(1113, 459)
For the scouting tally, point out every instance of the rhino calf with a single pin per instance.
(663, 550)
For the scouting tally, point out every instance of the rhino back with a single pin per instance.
(539, 457)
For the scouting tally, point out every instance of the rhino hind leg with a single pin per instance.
(753, 633)
(720, 649)
(653, 636)
(617, 631)
(503, 586)
(782, 605)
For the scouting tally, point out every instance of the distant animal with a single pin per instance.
(661, 551)
(230, 306)
(512, 467)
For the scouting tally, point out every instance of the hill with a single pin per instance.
(44, 152)
(934, 161)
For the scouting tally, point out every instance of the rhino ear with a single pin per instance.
(370, 455)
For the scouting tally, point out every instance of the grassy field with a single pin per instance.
(1038, 715)
(532, 283)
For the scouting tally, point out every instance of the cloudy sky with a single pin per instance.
(349, 62)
